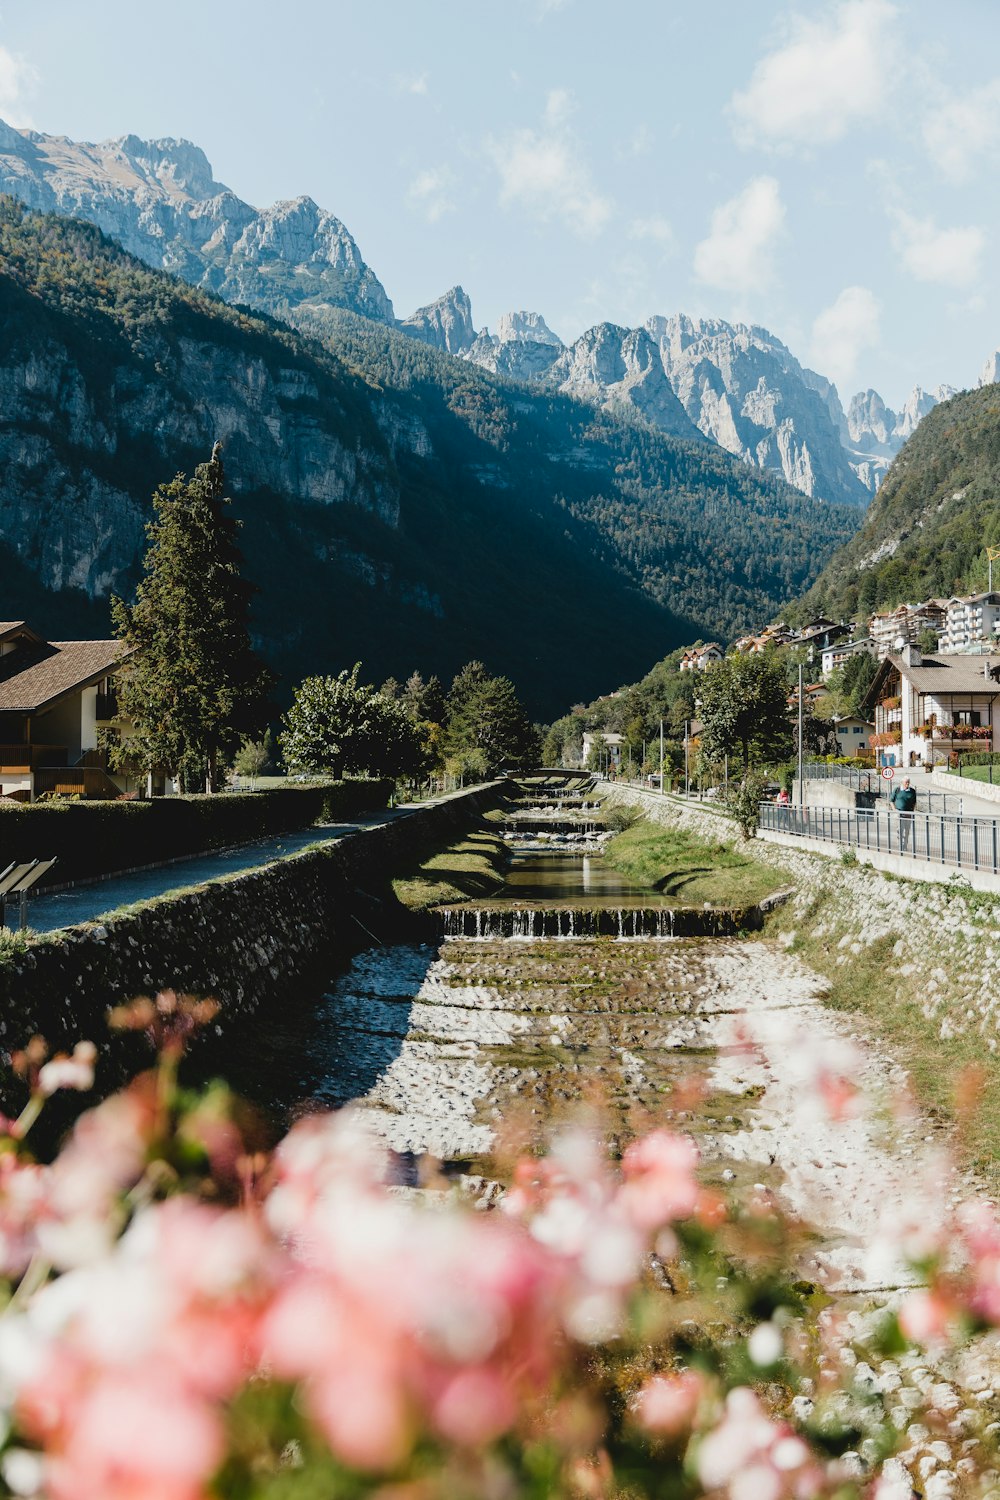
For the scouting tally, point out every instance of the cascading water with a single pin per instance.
(488, 923)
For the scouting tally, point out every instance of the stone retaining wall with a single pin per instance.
(941, 942)
(249, 939)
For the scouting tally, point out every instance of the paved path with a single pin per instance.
(85, 903)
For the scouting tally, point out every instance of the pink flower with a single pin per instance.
(659, 1179)
(750, 1457)
(135, 1438)
(75, 1072)
(667, 1404)
(927, 1317)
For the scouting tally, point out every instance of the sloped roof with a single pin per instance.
(37, 674)
(938, 675)
(950, 674)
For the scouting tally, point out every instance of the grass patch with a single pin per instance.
(475, 865)
(695, 870)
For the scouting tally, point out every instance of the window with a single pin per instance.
(968, 716)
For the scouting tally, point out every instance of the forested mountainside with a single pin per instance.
(398, 506)
(928, 527)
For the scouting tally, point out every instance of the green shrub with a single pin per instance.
(99, 838)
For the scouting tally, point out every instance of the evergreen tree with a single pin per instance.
(484, 715)
(190, 684)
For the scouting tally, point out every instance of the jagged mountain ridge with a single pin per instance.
(739, 386)
(160, 200)
(928, 528)
(400, 506)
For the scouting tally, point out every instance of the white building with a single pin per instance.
(970, 621)
(924, 707)
(836, 656)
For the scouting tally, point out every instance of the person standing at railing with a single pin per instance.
(904, 800)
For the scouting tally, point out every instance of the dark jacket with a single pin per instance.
(904, 798)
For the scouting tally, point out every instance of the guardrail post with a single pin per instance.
(975, 843)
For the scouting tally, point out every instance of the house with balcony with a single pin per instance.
(840, 654)
(926, 707)
(55, 697)
(970, 622)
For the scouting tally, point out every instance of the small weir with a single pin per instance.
(509, 921)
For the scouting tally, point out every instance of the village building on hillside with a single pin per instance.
(970, 621)
(853, 734)
(611, 746)
(924, 707)
(821, 633)
(55, 697)
(700, 657)
(838, 655)
(890, 629)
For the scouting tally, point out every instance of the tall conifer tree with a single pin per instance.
(191, 684)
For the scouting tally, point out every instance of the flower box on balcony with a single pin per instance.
(896, 702)
(887, 737)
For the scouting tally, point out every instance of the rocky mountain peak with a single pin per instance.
(526, 327)
(869, 419)
(175, 164)
(446, 323)
(990, 373)
(161, 201)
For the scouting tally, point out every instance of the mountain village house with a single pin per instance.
(55, 697)
(699, 658)
(927, 706)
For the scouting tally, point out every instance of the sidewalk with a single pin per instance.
(85, 903)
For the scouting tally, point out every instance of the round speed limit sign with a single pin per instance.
(888, 773)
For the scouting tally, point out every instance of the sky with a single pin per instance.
(827, 169)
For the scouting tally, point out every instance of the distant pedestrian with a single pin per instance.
(904, 800)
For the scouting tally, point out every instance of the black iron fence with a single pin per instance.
(967, 843)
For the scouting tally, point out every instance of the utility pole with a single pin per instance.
(687, 753)
(661, 757)
(802, 788)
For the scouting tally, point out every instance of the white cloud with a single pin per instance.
(952, 257)
(418, 85)
(542, 171)
(17, 82)
(959, 130)
(738, 254)
(656, 229)
(842, 332)
(431, 193)
(831, 74)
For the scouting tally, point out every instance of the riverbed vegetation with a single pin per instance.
(474, 865)
(696, 870)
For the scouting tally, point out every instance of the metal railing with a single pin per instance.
(872, 783)
(860, 780)
(967, 843)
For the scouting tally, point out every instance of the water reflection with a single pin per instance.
(560, 878)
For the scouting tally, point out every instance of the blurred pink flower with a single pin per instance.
(660, 1184)
(69, 1072)
(667, 1404)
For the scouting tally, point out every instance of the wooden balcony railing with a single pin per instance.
(28, 757)
(79, 781)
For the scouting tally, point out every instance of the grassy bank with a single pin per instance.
(474, 865)
(924, 991)
(679, 863)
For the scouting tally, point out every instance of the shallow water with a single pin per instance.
(573, 879)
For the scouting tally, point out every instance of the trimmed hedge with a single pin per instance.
(99, 838)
